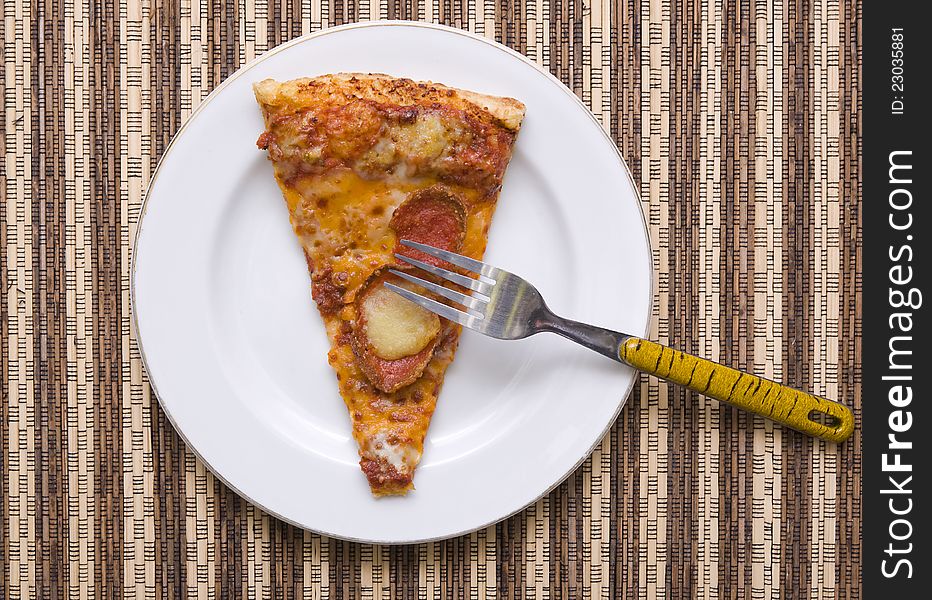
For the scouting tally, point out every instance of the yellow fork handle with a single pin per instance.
(763, 397)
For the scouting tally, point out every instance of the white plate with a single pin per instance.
(237, 353)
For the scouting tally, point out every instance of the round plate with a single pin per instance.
(236, 351)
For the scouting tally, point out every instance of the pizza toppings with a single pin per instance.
(393, 338)
(410, 142)
(433, 216)
(383, 479)
(391, 375)
(388, 462)
(400, 455)
(396, 327)
(327, 290)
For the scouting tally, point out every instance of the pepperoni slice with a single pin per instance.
(392, 375)
(386, 375)
(433, 216)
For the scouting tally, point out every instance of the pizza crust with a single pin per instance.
(339, 88)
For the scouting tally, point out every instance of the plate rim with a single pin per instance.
(245, 68)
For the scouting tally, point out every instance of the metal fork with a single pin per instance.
(504, 306)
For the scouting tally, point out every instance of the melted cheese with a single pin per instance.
(402, 457)
(406, 146)
(425, 139)
(396, 327)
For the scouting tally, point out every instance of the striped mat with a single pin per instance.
(741, 123)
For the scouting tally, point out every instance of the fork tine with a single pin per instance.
(467, 282)
(457, 259)
(475, 304)
(457, 316)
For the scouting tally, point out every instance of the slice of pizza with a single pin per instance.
(364, 161)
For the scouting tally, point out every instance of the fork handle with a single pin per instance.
(791, 407)
(763, 397)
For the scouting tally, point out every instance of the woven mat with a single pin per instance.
(740, 121)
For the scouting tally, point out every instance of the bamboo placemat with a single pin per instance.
(741, 123)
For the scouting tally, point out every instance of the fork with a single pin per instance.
(504, 306)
